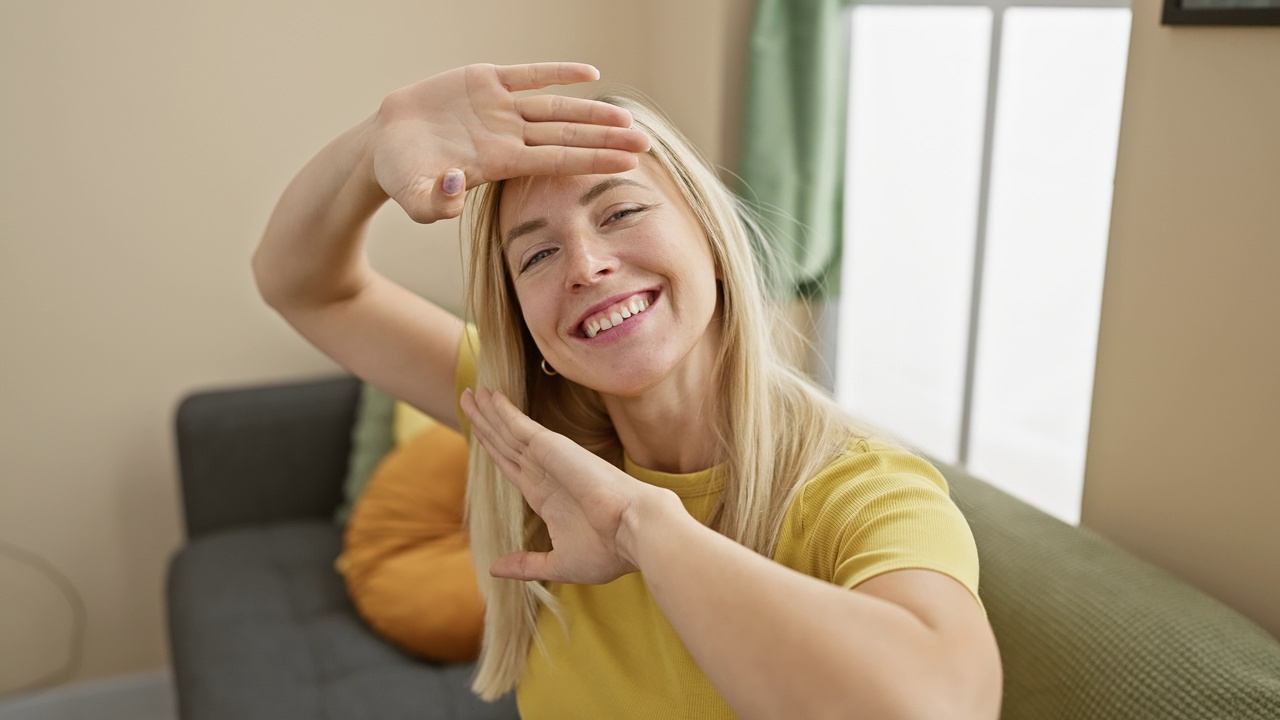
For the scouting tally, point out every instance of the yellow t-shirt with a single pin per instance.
(875, 509)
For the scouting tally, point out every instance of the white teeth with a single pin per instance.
(634, 306)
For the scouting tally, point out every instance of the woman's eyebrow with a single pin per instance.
(523, 228)
(605, 186)
(596, 191)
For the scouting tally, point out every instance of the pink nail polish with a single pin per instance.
(453, 182)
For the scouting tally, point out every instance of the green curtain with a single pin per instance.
(792, 161)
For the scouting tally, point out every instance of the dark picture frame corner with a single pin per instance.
(1221, 12)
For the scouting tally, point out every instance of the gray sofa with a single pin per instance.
(261, 626)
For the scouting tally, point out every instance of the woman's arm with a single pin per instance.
(774, 642)
(777, 643)
(423, 147)
(312, 269)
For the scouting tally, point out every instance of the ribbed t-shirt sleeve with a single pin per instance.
(465, 375)
(875, 509)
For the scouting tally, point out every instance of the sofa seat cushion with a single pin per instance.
(262, 627)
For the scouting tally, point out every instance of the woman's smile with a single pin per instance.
(606, 321)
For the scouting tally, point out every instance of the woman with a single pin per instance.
(686, 527)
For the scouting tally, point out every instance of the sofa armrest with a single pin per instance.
(1087, 629)
(262, 454)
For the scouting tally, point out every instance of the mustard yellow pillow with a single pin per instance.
(409, 422)
(406, 558)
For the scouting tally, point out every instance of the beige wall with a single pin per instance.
(1182, 464)
(143, 145)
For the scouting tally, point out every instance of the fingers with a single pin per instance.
(585, 136)
(433, 199)
(560, 160)
(523, 566)
(507, 464)
(495, 414)
(505, 434)
(561, 148)
(503, 452)
(549, 108)
(518, 428)
(575, 136)
(539, 75)
(449, 193)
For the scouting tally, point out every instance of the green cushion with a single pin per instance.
(372, 437)
(1087, 630)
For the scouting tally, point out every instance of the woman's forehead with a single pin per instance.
(543, 188)
(524, 198)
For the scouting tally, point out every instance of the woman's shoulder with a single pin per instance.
(869, 478)
(877, 506)
(871, 462)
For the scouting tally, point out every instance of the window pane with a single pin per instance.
(1057, 126)
(917, 103)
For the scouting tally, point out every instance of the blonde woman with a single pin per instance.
(667, 520)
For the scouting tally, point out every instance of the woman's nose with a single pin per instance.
(590, 261)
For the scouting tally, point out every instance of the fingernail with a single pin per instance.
(453, 182)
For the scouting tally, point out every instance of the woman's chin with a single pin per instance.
(630, 383)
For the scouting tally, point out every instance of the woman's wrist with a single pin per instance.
(656, 512)
(362, 179)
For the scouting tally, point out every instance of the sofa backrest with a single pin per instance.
(264, 454)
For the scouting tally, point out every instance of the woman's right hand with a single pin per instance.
(465, 127)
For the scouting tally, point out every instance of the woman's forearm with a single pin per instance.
(778, 643)
(312, 250)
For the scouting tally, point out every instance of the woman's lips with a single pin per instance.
(579, 328)
(602, 334)
(616, 314)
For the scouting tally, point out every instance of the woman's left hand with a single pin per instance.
(583, 499)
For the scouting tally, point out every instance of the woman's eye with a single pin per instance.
(624, 213)
(536, 258)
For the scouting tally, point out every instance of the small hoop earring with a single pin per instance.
(547, 368)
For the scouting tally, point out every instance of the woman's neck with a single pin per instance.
(671, 426)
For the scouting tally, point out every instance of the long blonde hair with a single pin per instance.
(765, 398)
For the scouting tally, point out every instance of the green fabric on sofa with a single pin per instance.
(372, 437)
(1087, 630)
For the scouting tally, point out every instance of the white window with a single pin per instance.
(981, 156)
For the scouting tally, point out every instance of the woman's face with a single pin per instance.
(613, 273)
